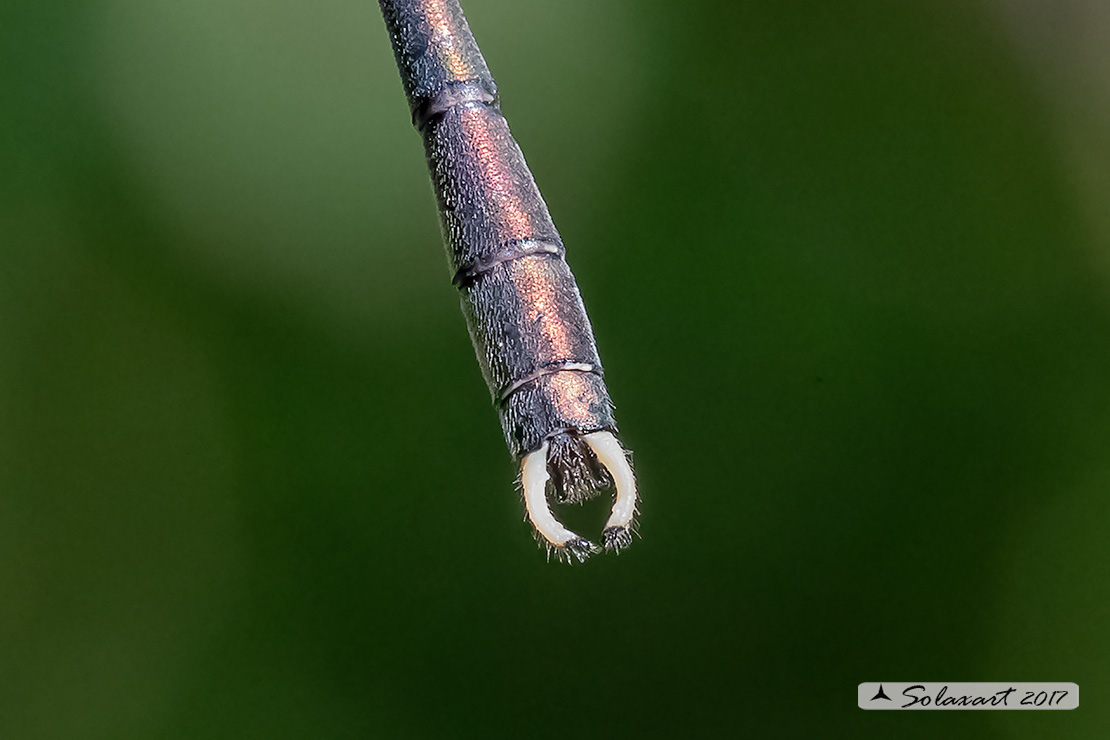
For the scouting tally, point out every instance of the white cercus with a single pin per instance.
(618, 528)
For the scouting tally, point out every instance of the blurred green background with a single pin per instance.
(847, 266)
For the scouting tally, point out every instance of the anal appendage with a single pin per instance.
(562, 542)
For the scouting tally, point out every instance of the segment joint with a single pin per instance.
(430, 109)
(469, 273)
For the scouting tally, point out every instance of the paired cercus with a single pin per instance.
(523, 308)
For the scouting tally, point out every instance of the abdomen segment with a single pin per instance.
(523, 308)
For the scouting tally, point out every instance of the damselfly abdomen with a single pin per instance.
(522, 305)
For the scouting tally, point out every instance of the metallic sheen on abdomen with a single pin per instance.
(521, 302)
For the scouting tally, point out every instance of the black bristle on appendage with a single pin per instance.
(576, 550)
(576, 474)
(616, 538)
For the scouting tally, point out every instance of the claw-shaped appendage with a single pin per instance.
(562, 542)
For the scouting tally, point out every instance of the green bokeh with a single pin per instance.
(851, 310)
